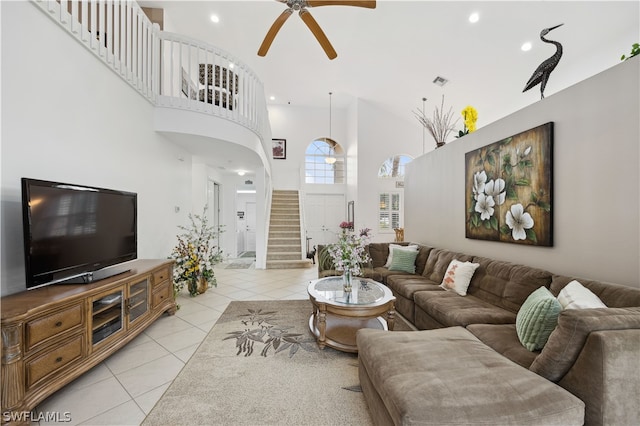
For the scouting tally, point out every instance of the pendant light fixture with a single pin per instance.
(331, 158)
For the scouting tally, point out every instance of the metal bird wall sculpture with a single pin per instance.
(542, 73)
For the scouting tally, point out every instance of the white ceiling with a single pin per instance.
(390, 55)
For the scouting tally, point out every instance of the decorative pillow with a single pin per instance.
(404, 260)
(458, 276)
(412, 247)
(537, 318)
(576, 296)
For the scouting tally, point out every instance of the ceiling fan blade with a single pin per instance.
(318, 33)
(277, 24)
(358, 3)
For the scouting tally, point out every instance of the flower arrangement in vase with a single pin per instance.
(349, 253)
(195, 256)
(440, 125)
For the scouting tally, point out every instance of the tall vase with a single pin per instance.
(202, 285)
(346, 281)
(192, 286)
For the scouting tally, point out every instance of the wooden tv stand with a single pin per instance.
(52, 335)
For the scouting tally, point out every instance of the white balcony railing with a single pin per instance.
(168, 69)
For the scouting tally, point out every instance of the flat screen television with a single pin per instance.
(72, 231)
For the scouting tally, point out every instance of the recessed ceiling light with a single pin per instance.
(241, 173)
(215, 19)
(231, 65)
(474, 17)
(272, 98)
(526, 47)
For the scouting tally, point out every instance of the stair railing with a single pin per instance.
(165, 68)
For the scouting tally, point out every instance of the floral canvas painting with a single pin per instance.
(509, 189)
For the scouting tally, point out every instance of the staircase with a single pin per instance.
(284, 250)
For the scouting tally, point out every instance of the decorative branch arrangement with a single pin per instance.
(440, 125)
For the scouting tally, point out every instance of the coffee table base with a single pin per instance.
(340, 332)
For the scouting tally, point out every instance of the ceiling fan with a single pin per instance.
(301, 7)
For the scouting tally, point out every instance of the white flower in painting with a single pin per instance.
(528, 150)
(496, 190)
(518, 221)
(484, 206)
(479, 180)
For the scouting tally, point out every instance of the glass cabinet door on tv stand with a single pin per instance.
(106, 316)
(119, 310)
(138, 301)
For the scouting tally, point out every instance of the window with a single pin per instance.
(393, 167)
(324, 162)
(389, 211)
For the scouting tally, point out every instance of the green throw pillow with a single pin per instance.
(537, 318)
(404, 260)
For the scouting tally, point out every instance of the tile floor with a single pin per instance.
(125, 387)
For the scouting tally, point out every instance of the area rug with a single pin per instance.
(260, 365)
(247, 254)
(239, 265)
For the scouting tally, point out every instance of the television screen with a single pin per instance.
(72, 230)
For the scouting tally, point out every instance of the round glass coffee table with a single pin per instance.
(338, 315)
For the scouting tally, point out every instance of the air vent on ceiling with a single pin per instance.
(440, 81)
(248, 182)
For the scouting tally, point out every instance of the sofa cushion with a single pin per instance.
(458, 276)
(450, 309)
(448, 376)
(438, 261)
(612, 295)
(403, 260)
(503, 339)
(568, 338)
(407, 285)
(506, 284)
(576, 296)
(537, 318)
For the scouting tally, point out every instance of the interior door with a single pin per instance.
(250, 227)
(323, 214)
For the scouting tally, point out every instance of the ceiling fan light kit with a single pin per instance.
(301, 6)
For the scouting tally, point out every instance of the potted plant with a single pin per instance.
(440, 125)
(195, 255)
(470, 116)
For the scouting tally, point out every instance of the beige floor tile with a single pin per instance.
(177, 341)
(127, 414)
(165, 325)
(132, 357)
(147, 400)
(186, 353)
(202, 316)
(150, 375)
(104, 395)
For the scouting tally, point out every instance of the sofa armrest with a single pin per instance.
(568, 339)
(606, 376)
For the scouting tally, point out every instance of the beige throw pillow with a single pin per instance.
(576, 296)
(458, 276)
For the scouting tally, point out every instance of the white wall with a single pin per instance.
(300, 126)
(596, 207)
(380, 136)
(67, 117)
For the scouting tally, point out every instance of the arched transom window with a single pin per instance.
(324, 162)
(393, 167)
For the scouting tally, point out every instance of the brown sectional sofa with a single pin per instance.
(467, 365)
